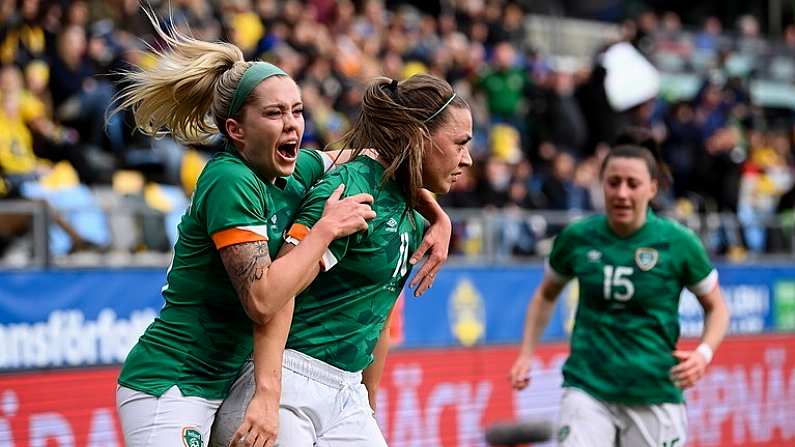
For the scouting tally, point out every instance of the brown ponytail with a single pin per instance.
(394, 121)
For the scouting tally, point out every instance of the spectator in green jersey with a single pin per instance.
(624, 377)
(505, 86)
(419, 131)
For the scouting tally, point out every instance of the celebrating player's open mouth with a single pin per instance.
(288, 150)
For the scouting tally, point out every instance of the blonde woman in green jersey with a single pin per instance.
(222, 281)
(624, 377)
(419, 131)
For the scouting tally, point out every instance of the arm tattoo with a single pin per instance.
(245, 264)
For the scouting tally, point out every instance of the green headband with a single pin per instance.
(256, 73)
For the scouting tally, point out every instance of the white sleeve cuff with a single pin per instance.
(706, 285)
(705, 351)
(328, 261)
(553, 275)
(328, 163)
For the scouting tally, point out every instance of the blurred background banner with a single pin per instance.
(444, 397)
(74, 317)
(94, 316)
(477, 305)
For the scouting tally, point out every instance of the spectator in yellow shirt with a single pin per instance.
(21, 112)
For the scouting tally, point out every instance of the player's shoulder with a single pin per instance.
(672, 230)
(226, 165)
(310, 166)
(309, 153)
(310, 159)
(227, 172)
(361, 175)
(579, 232)
(585, 226)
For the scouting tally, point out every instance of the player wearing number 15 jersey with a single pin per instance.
(627, 320)
(624, 377)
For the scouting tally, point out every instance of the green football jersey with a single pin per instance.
(203, 334)
(339, 317)
(627, 320)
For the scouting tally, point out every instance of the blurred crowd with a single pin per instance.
(542, 121)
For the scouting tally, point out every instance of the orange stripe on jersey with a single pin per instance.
(232, 236)
(298, 231)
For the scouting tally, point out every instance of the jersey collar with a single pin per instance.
(650, 217)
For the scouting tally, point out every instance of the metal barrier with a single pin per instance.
(39, 222)
(480, 236)
(520, 236)
(131, 225)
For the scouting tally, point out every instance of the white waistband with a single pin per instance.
(319, 370)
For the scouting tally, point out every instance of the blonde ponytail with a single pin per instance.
(187, 93)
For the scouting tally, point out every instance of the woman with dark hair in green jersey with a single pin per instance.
(419, 131)
(624, 377)
(222, 284)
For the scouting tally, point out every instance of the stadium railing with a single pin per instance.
(521, 236)
(39, 215)
(480, 236)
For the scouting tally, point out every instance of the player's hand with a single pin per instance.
(437, 240)
(260, 424)
(520, 371)
(346, 216)
(690, 369)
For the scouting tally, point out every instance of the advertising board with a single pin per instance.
(443, 397)
(69, 318)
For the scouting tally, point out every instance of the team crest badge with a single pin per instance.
(191, 437)
(646, 258)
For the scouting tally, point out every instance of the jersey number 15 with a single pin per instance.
(617, 284)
